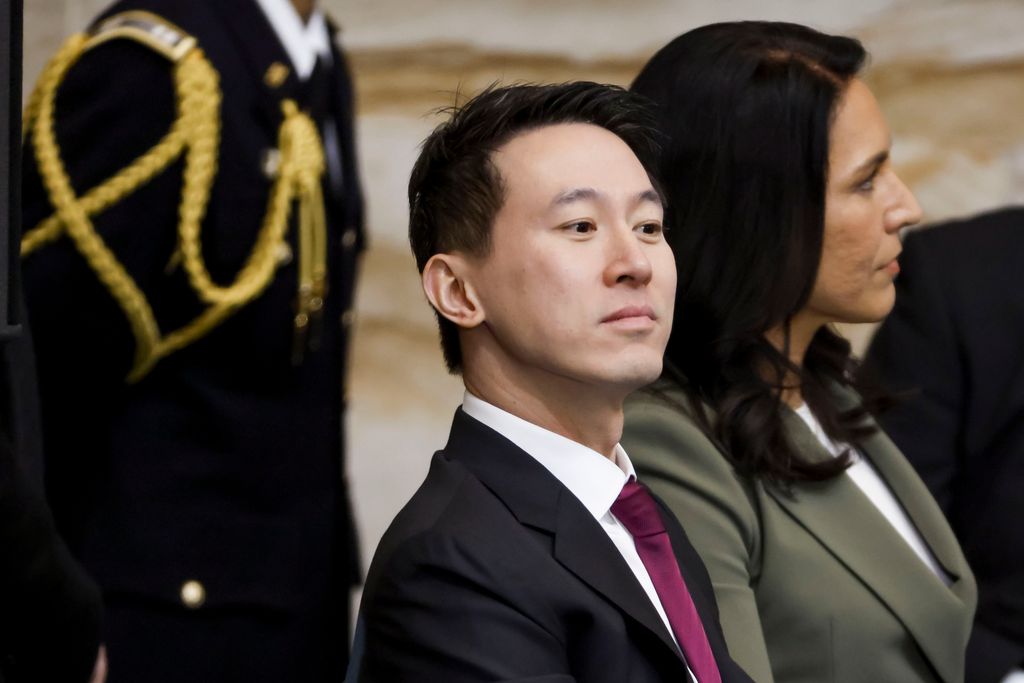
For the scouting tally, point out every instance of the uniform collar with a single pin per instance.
(303, 42)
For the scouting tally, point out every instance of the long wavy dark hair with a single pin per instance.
(747, 108)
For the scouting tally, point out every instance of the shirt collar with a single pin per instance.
(594, 479)
(831, 447)
(303, 42)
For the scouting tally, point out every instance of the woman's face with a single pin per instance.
(865, 206)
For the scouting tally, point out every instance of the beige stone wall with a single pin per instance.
(949, 75)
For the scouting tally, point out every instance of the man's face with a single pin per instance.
(579, 282)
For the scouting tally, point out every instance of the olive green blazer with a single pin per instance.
(816, 586)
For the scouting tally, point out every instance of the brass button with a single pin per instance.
(347, 318)
(276, 74)
(270, 162)
(348, 240)
(193, 594)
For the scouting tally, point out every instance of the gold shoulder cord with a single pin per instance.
(196, 134)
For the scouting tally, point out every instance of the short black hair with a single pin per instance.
(456, 191)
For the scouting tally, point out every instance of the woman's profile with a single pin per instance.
(829, 558)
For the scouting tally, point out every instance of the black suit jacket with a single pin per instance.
(223, 465)
(495, 571)
(49, 608)
(956, 340)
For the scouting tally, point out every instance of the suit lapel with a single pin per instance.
(582, 547)
(698, 583)
(919, 504)
(540, 501)
(342, 90)
(345, 193)
(868, 545)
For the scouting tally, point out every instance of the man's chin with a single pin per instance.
(629, 379)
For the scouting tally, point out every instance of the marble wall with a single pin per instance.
(948, 73)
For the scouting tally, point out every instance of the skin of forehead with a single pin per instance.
(854, 138)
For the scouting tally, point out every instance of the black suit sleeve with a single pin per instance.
(49, 608)
(915, 353)
(50, 623)
(437, 616)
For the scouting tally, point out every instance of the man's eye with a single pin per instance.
(581, 227)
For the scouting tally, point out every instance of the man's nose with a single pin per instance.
(627, 259)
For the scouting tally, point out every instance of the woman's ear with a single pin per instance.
(446, 282)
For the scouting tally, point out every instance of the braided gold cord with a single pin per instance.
(113, 189)
(301, 167)
(74, 218)
(196, 133)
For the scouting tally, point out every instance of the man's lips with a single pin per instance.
(631, 312)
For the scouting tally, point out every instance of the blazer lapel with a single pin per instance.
(917, 501)
(843, 520)
(919, 504)
(540, 501)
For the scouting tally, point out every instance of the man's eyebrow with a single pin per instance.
(650, 196)
(575, 195)
(589, 193)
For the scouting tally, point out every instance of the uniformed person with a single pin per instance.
(193, 220)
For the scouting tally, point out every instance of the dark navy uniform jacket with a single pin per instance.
(209, 498)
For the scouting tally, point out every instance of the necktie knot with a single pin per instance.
(636, 510)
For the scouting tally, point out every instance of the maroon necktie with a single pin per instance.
(637, 511)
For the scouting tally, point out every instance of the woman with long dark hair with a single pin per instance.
(829, 558)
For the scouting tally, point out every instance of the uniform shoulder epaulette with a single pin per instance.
(194, 137)
(147, 28)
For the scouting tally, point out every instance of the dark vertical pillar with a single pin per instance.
(10, 162)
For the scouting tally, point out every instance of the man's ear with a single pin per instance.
(447, 284)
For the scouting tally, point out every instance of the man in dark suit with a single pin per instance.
(530, 552)
(191, 329)
(955, 340)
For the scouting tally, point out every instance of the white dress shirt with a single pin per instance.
(874, 487)
(595, 480)
(303, 42)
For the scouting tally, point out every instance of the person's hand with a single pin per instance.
(1015, 676)
(99, 671)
